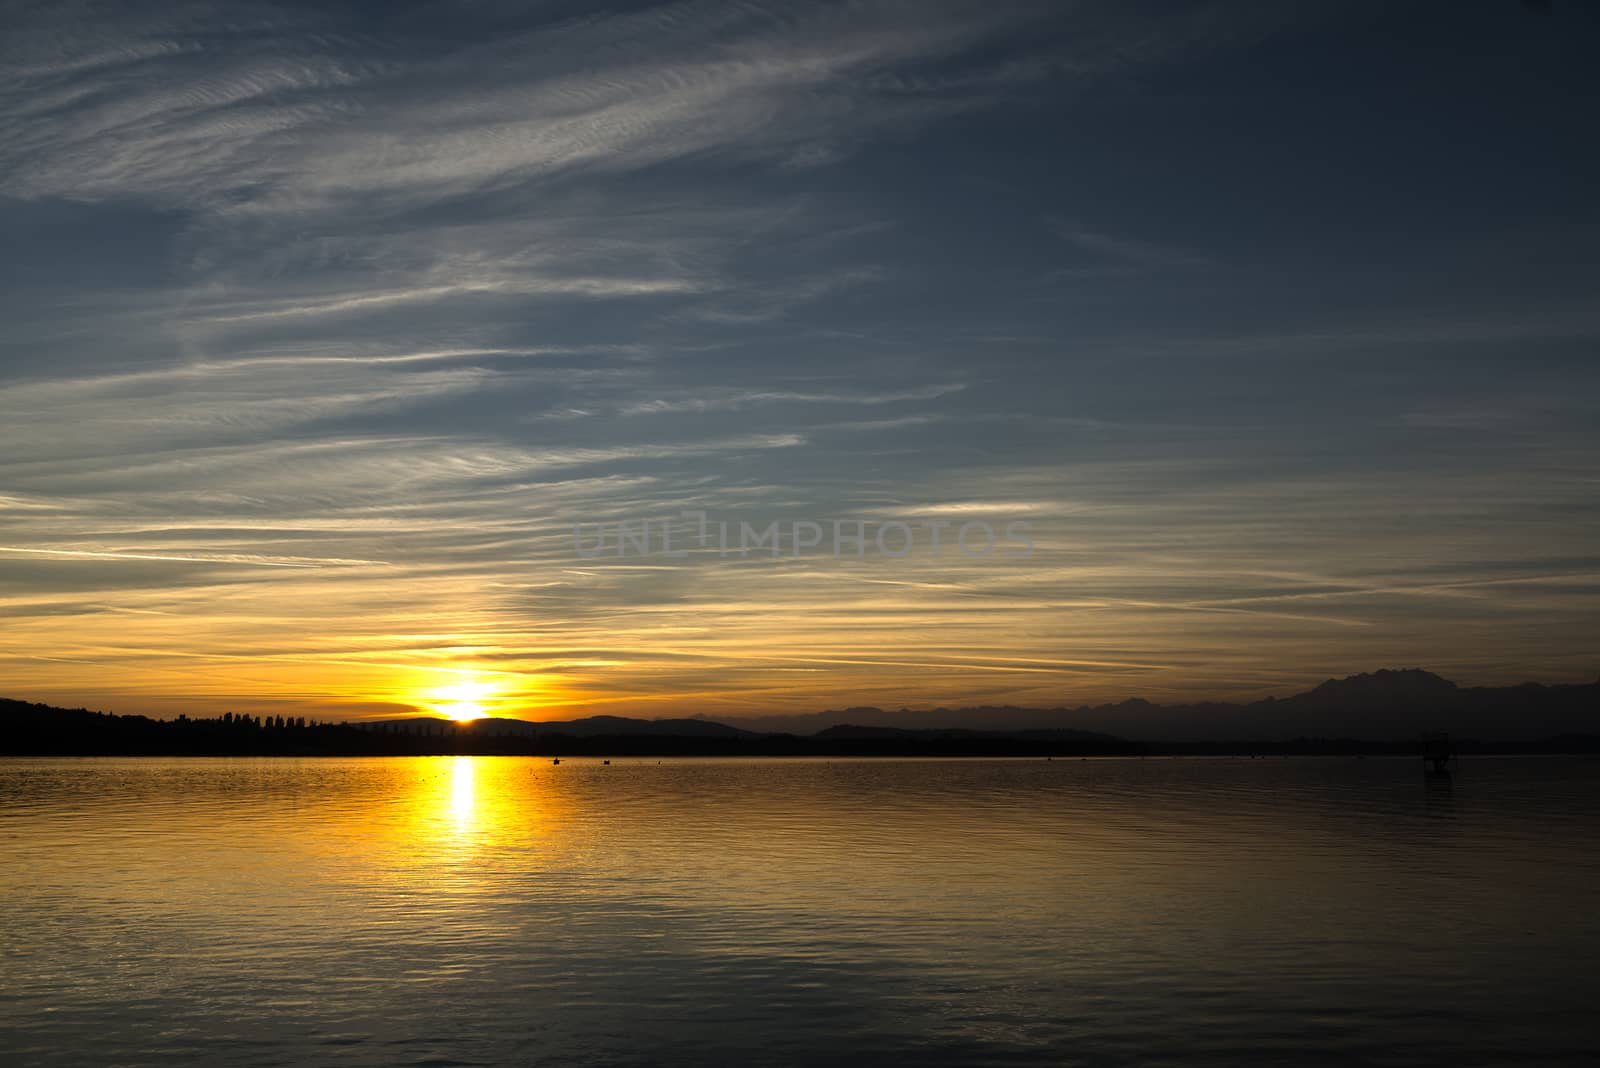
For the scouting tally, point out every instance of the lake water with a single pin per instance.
(475, 911)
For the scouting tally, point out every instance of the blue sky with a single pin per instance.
(324, 324)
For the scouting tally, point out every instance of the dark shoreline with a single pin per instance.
(40, 730)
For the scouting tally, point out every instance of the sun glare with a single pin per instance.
(462, 702)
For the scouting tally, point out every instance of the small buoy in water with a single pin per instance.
(557, 760)
(605, 762)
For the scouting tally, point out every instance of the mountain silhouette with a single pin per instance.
(1385, 710)
(1383, 704)
(586, 727)
(1383, 688)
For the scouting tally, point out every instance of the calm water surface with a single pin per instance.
(471, 910)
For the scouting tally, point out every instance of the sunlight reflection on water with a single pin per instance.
(468, 910)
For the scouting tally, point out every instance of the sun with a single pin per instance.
(462, 702)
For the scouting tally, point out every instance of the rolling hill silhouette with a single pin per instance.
(1380, 705)
(1380, 711)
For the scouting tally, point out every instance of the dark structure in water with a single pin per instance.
(1437, 750)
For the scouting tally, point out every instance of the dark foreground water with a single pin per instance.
(452, 911)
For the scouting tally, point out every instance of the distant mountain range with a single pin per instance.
(587, 727)
(1383, 704)
(1386, 704)
(1383, 711)
(41, 730)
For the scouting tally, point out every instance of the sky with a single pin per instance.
(328, 326)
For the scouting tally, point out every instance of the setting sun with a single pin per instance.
(463, 701)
